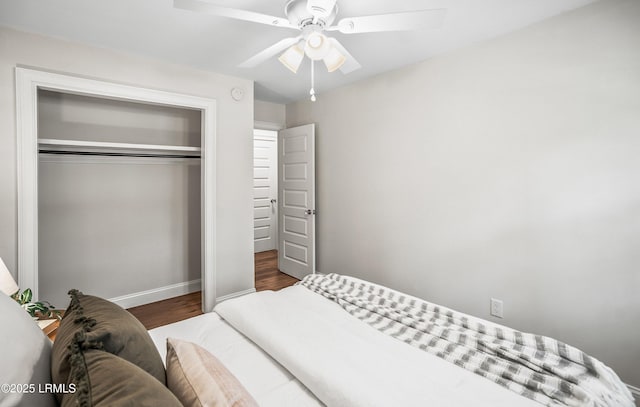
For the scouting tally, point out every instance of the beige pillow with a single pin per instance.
(197, 378)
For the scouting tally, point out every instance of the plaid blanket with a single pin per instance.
(540, 368)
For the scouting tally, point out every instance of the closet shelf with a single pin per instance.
(56, 145)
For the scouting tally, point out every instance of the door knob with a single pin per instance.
(273, 201)
(310, 211)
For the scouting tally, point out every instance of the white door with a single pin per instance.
(296, 200)
(265, 190)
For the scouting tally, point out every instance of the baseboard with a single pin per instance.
(234, 295)
(157, 294)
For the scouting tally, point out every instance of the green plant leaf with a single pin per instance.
(37, 308)
(26, 296)
(30, 309)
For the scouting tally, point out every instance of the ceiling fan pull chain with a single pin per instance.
(312, 92)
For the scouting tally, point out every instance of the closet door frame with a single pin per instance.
(28, 82)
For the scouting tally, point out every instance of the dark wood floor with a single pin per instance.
(267, 277)
(168, 311)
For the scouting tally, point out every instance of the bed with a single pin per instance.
(299, 347)
(330, 340)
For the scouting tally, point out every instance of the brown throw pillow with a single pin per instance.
(105, 380)
(197, 378)
(102, 324)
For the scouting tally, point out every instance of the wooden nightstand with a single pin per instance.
(49, 327)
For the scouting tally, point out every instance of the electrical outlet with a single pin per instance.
(497, 308)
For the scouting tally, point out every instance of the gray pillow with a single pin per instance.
(24, 359)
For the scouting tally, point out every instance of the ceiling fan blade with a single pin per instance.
(350, 64)
(202, 6)
(262, 56)
(405, 21)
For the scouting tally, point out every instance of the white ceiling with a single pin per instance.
(154, 28)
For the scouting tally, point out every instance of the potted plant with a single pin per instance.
(36, 309)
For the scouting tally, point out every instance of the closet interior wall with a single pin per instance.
(115, 221)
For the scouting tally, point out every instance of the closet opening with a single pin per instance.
(118, 198)
(116, 190)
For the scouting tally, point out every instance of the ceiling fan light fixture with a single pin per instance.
(321, 8)
(334, 59)
(292, 58)
(317, 46)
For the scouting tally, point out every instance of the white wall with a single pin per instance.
(115, 226)
(509, 169)
(234, 227)
(270, 113)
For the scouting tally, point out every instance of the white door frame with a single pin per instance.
(28, 81)
(261, 125)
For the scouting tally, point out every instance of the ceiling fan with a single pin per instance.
(313, 18)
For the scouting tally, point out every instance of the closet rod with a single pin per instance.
(118, 154)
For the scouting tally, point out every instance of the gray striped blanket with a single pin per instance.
(540, 368)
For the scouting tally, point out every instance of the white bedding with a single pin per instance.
(345, 362)
(266, 380)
